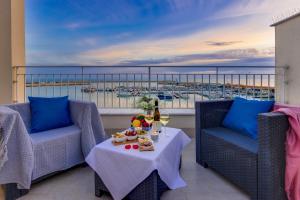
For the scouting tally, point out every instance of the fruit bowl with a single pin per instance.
(119, 137)
(132, 137)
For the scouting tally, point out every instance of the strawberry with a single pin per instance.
(133, 118)
(128, 146)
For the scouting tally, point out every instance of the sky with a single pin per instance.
(153, 32)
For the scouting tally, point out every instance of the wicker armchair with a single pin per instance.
(256, 166)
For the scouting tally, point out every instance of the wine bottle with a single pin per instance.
(156, 125)
(156, 114)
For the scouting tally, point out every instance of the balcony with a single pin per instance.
(116, 96)
(181, 91)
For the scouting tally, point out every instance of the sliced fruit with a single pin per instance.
(136, 123)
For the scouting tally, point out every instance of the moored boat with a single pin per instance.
(164, 96)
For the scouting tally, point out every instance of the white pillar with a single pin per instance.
(287, 40)
(12, 48)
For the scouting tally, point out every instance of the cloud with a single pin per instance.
(237, 32)
(250, 56)
(177, 5)
(46, 58)
(215, 39)
(88, 41)
(214, 43)
(73, 25)
(257, 8)
(235, 55)
(123, 35)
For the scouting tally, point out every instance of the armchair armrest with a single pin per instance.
(86, 116)
(76, 108)
(272, 128)
(211, 113)
(208, 114)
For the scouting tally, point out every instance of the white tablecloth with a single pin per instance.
(122, 170)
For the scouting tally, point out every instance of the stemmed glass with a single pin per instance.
(149, 117)
(164, 119)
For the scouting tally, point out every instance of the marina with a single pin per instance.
(176, 87)
(115, 94)
(168, 91)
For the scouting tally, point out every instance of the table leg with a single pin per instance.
(98, 191)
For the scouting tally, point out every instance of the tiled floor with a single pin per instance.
(78, 184)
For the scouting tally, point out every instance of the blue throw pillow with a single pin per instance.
(49, 113)
(242, 115)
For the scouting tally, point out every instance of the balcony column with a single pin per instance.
(12, 50)
(287, 42)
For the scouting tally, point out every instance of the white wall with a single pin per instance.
(120, 119)
(287, 40)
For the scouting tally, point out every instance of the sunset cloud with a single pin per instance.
(172, 32)
(208, 58)
(214, 43)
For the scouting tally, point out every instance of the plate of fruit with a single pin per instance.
(131, 134)
(119, 137)
(139, 121)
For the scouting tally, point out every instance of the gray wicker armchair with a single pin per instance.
(256, 166)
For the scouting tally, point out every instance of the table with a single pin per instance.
(139, 175)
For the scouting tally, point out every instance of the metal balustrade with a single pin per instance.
(122, 86)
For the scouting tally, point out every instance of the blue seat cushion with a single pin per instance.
(234, 138)
(242, 116)
(49, 113)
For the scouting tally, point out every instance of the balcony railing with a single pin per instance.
(121, 86)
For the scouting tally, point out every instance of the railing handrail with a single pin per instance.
(146, 66)
(152, 74)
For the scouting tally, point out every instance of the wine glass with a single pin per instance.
(164, 119)
(149, 118)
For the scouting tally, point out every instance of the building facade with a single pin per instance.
(287, 59)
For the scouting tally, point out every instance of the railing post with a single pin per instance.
(281, 83)
(285, 83)
(82, 81)
(149, 81)
(18, 84)
(223, 88)
(268, 86)
(15, 82)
